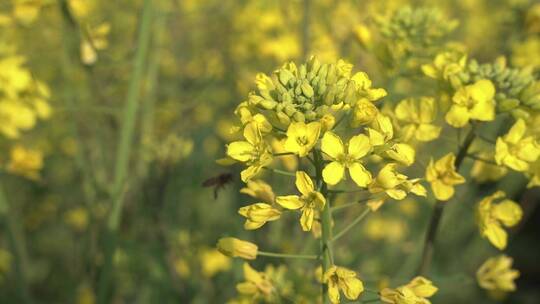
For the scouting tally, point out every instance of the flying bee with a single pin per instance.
(218, 182)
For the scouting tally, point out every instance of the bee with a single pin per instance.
(218, 182)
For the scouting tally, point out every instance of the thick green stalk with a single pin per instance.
(16, 247)
(436, 216)
(326, 223)
(124, 149)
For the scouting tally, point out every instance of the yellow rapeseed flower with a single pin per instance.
(259, 189)
(474, 101)
(257, 284)
(341, 278)
(254, 151)
(418, 116)
(258, 214)
(213, 262)
(516, 150)
(302, 137)
(25, 162)
(394, 184)
(497, 275)
(233, 247)
(310, 202)
(414, 292)
(491, 217)
(346, 157)
(363, 112)
(442, 176)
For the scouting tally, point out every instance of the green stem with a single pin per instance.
(124, 149)
(326, 223)
(351, 225)
(344, 206)
(287, 256)
(478, 158)
(282, 172)
(17, 248)
(429, 242)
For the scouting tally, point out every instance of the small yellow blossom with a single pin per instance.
(363, 113)
(258, 214)
(418, 117)
(327, 122)
(446, 66)
(491, 217)
(497, 275)
(472, 102)
(341, 278)
(403, 153)
(254, 151)
(25, 162)
(257, 284)
(346, 157)
(364, 84)
(213, 262)
(95, 40)
(395, 184)
(363, 34)
(26, 11)
(414, 292)
(77, 218)
(302, 137)
(310, 202)
(442, 176)
(381, 130)
(516, 150)
(233, 247)
(259, 189)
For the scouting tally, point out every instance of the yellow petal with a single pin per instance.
(291, 202)
(240, 150)
(359, 146)
(359, 174)
(442, 192)
(304, 184)
(332, 145)
(306, 220)
(333, 173)
(508, 212)
(457, 116)
(496, 236)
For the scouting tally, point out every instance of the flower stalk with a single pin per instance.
(436, 216)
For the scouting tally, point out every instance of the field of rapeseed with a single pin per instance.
(258, 151)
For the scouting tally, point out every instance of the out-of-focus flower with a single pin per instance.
(516, 150)
(213, 262)
(256, 285)
(491, 217)
(358, 147)
(233, 247)
(310, 202)
(443, 177)
(25, 162)
(472, 102)
(26, 11)
(496, 274)
(77, 218)
(85, 294)
(341, 278)
(418, 116)
(415, 292)
(95, 40)
(484, 172)
(181, 267)
(290, 162)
